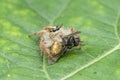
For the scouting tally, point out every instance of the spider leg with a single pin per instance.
(61, 54)
(41, 54)
(36, 34)
(47, 51)
(75, 35)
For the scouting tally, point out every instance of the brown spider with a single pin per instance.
(54, 41)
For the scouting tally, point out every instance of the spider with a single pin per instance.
(55, 40)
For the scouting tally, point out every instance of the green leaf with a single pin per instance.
(98, 20)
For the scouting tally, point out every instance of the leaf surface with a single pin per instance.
(98, 20)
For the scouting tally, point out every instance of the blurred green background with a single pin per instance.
(98, 21)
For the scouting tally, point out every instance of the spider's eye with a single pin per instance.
(53, 30)
(57, 29)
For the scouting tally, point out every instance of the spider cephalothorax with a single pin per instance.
(55, 41)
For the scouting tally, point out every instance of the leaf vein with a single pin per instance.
(44, 68)
(60, 12)
(116, 26)
(92, 62)
(33, 9)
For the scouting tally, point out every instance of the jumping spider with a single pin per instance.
(55, 40)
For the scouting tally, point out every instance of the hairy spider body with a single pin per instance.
(55, 41)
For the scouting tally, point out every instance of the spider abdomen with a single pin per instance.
(56, 48)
